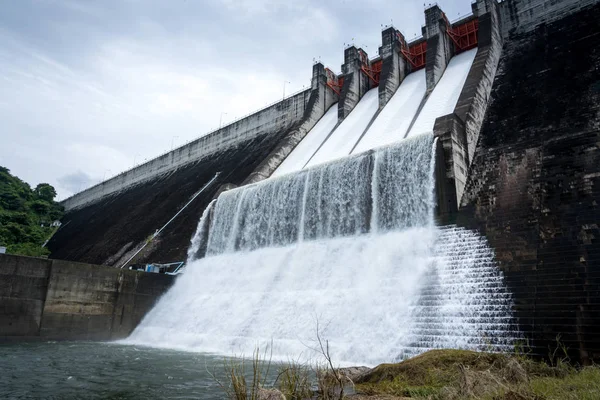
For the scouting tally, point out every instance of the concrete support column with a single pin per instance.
(452, 164)
(393, 67)
(439, 46)
(356, 84)
(473, 101)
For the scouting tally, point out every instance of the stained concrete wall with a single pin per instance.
(356, 83)
(23, 287)
(440, 48)
(534, 183)
(55, 299)
(110, 230)
(459, 131)
(521, 16)
(280, 116)
(394, 67)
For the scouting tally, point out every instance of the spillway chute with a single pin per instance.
(442, 100)
(350, 244)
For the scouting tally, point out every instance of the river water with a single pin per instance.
(92, 370)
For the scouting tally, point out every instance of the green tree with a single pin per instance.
(45, 191)
(41, 207)
(25, 215)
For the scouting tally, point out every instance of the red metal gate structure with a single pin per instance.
(416, 54)
(464, 35)
(373, 72)
(334, 82)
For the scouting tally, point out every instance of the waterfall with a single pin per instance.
(350, 245)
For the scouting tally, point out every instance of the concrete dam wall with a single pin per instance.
(53, 299)
(517, 156)
(534, 183)
(106, 226)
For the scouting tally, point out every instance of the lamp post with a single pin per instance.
(221, 119)
(134, 158)
(104, 176)
(284, 82)
(173, 141)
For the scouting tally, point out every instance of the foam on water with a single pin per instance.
(349, 244)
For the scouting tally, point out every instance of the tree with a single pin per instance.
(10, 200)
(45, 191)
(26, 214)
(40, 207)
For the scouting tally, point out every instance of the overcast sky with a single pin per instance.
(87, 88)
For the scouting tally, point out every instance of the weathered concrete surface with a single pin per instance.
(321, 98)
(62, 300)
(276, 118)
(451, 175)
(474, 98)
(534, 183)
(521, 16)
(440, 48)
(356, 83)
(23, 286)
(460, 138)
(108, 231)
(394, 67)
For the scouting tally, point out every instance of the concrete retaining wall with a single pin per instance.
(534, 183)
(521, 16)
(23, 287)
(62, 300)
(275, 118)
(459, 131)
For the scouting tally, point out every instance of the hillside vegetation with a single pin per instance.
(26, 215)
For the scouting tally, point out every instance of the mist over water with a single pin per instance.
(349, 245)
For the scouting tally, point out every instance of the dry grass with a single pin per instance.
(294, 381)
(457, 374)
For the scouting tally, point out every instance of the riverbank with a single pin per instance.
(460, 374)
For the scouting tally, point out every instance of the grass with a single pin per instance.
(434, 375)
(459, 374)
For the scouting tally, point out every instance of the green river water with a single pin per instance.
(92, 370)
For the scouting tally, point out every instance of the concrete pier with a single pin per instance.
(356, 83)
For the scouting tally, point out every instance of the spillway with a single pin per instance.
(345, 136)
(350, 245)
(298, 158)
(392, 123)
(444, 96)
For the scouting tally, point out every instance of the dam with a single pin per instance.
(441, 194)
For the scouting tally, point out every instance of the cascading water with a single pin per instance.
(349, 245)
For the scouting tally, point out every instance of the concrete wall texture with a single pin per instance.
(534, 183)
(55, 299)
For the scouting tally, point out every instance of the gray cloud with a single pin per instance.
(76, 181)
(94, 86)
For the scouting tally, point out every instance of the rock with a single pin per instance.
(353, 373)
(269, 394)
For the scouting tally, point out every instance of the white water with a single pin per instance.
(298, 158)
(393, 121)
(345, 136)
(444, 96)
(351, 245)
